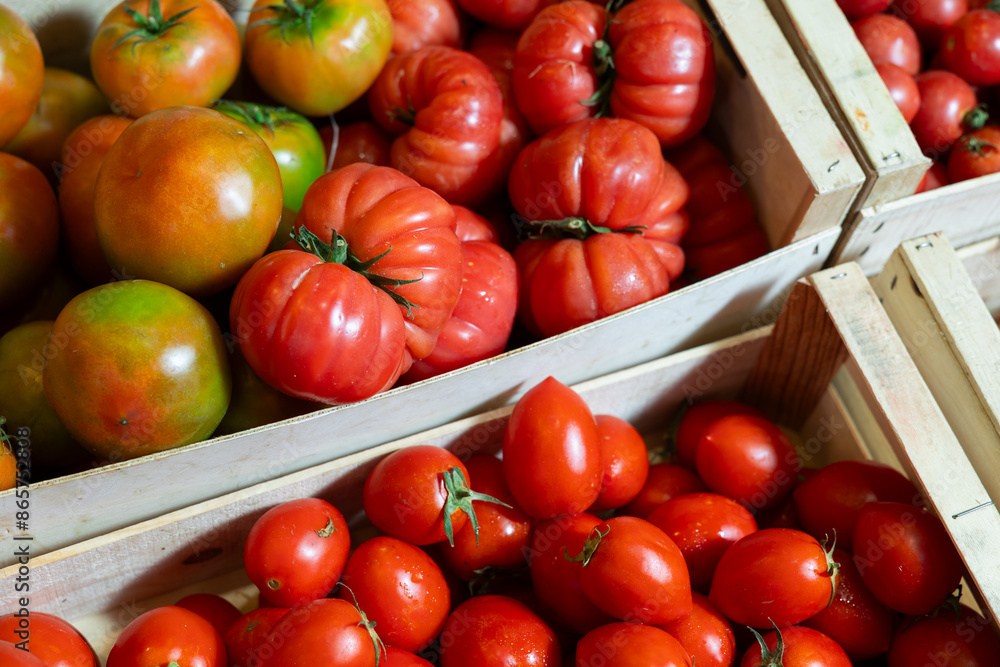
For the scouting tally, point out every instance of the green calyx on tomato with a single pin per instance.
(976, 118)
(254, 115)
(368, 625)
(327, 530)
(460, 497)
(152, 26)
(993, 6)
(338, 253)
(770, 658)
(5, 440)
(290, 14)
(604, 68)
(407, 116)
(574, 227)
(589, 547)
(174, 664)
(977, 146)
(832, 566)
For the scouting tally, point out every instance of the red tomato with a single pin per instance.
(82, 157)
(575, 61)
(889, 40)
(556, 580)
(215, 609)
(396, 657)
(795, 647)
(22, 73)
(406, 230)
(246, 636)
(419, 24)
(902, 88)
(698, 417)
(936, 177)
(320, 56)
(630, 645)
(448, 110)
(470, 226)
(706, 634)
(703, 526)
(735, 250)
(829, 502)
(296, 551)
(15, 657)
(664, 481)
(504, 532)
(626, 463)
(480, 324)
(151, 54)
(947, 108)
(496, 631)
(971, 47)
(634, 572)
(748, 459)
(205, 240)
(363, 141)
(857, 8)
(932, 18)
(948, 638)
(400, 588)
(905, 557)
(774, 575)
(552, 452)
(859, 623)
(29, 227)
(421, 494)
(168, 634)
(506, 14)
(328, 632)
(976, 154)
(49, 638)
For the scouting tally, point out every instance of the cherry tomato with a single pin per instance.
(504, 532)
(949, 638)
(317, 56)
(889, 40)
(247, 635)
(859, 623)
(50, 639)
(15, 657)
(706, 634)
(902, 88)
(397, 657)
(552, 452)
(151, 54)
(327, 631)
(419, 24)
(22, 73)
(936, 177)
(496, 631)
(168, 634)
(215, 609)
(857, 8)
(630, 645)
(29, 227)
(748, 459)
(698, 417)
(905, 557)
(947, 108)
(664, 481)
(829, 502)
(626, 463)
(795, 647)
(932, 18)
(976, 154)
(971, 47)
(634, 571)
(363, 141)
(774, 575)
(703, 526)
(296, 551)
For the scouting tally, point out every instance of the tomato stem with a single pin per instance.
(977, 146)
(407, 116)
(993, 6)
(575, 227)
(460, 497)
(5, 440)
(289, 15)
(149, 27)
(251, 114)
(604, 70)
(767, 657)
(368, 625)
(976, 118)
(832, 566)
(589, 547)
(327, 530)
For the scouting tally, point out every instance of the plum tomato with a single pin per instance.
(168, 634)
(631, 645)
(49, 638)
(889, 40)
(706, 634)
(215, 609)
(247, 634)
(948, 108)
(692, 421)
(795, 647)
(664, 481)
(976, 154)
(626, 463)
(327, 631)
(902, 88)
(950, 638)
(931, 18)
(497, 631)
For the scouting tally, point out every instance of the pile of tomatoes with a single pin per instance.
(571, 549)
(940, 60)
(441, 180)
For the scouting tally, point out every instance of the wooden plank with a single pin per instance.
(982, 262)
(967, 212)
(854, 92)
(913, 423)
(745, 298)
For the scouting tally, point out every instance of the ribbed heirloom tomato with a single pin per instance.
(419, 24)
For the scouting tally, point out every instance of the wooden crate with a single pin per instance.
(832, 369)
(800, 173)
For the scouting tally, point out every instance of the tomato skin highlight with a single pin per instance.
(888, 39)
(706, 634)
(496, 631)
(327, 631)
(976, 154)
(945, 101)
(165, 634)
(626, 463)
(971, 48)
(804, 647)
(53, 640)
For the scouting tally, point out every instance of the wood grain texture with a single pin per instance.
(982, 263)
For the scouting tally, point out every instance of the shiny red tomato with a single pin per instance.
(496, 631)
(552, 452)
(29, 227)
(774, 575)
(888, 39)
(932, 18)
(949, 638)
(748, 459)
(971, 47)
(401, 590)
(631, 645)
(21, 74)
(948, 106)
(49, 638)
(905, 557)
(169, 634)
(705, 633)
(470, 226)
(447, 109)
(504, 532)
(15, 657)
(626, 463)
(634, 571)
(512, 15)
(152, 54)
(397, 657)
(664, 481)
(859, 623)
(703, 526)
(696, 418)
(215, 609)
(902, 88)
(936, 177)
(363, 141)
(419, 24)
(327, 631)
(317, 56)
(976, 154)
(296, 551)
(857, 8)
(795, 647)
(246, 636)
